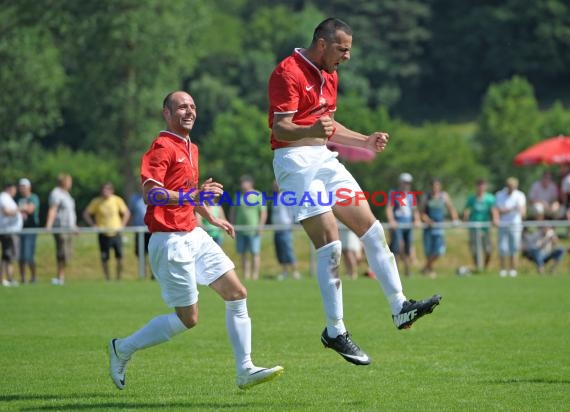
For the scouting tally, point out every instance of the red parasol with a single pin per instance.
(352, 153)
(555, 150)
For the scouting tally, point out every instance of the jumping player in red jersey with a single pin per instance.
(181, 254)
(302, 99)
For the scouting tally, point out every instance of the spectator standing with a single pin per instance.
(541, 247)
(29, 205)
(61, 215)
(137, 209)
(402, 209)
(351, 250)
(10, 224)
(251, 212)
(510, 209)
(283, 238)
(543, 196)
(434, 205)
(479, 208)
(110, 212)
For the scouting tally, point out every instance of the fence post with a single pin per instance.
(478, 248)
(141, 254)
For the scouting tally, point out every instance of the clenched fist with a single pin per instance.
(323, 127)
(377, 141)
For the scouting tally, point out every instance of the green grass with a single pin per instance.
(494, 344)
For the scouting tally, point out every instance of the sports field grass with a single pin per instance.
(493, 344)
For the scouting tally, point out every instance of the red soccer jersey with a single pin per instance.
(298, 87)
(172, 162)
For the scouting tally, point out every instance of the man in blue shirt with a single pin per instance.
(479, 208)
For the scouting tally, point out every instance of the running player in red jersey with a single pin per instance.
(302, 100)
(182, 255)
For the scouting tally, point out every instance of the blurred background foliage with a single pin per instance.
(460, 86)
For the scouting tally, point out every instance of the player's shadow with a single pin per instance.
(147, 405)
(514, 381)
(108, 401)
(45, 396)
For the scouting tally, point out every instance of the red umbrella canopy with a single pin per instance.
(555, 150)
(351, 153)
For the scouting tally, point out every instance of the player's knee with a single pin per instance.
(189, 319)
(240, 292)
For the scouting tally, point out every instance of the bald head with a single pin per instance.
(179, 111)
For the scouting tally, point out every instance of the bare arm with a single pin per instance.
(262, 219)
(451, 208)
(495, 213)
(156, 195)
(286, 131)
(52, 211)
(344, 135)
(87, 217)
(417, 218)
(28, 208)
(126, 216)
(466, 213)
(390, 217)
(375, 142)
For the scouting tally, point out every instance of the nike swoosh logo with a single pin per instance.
(360, 358)
(180, 160)
(261, 370)
(307, 88)
(114, 348)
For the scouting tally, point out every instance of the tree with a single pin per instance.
(389, 38)
(237, 145)
(32, 80)
(508, 124)
(127, 56)
(555, 122)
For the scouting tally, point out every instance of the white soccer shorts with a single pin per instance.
(312, 172)
(181, 260)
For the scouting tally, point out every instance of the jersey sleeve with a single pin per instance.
(54, 199)
(122, 205)
(283, 93)
(154, 165)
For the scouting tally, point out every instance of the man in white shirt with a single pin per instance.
(10, 223)
(543, 196)
(510, 208)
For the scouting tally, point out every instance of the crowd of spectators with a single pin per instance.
(547, 199)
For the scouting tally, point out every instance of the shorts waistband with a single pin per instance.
(302, 149)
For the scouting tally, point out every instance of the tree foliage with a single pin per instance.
(509, 124)
(85, 80)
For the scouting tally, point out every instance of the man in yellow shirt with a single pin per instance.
(110, 212)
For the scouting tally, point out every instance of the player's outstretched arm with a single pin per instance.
(376, 142)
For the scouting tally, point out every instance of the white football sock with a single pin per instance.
(238, 325)
(328, 261)
(158, 330)
(383, 264)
